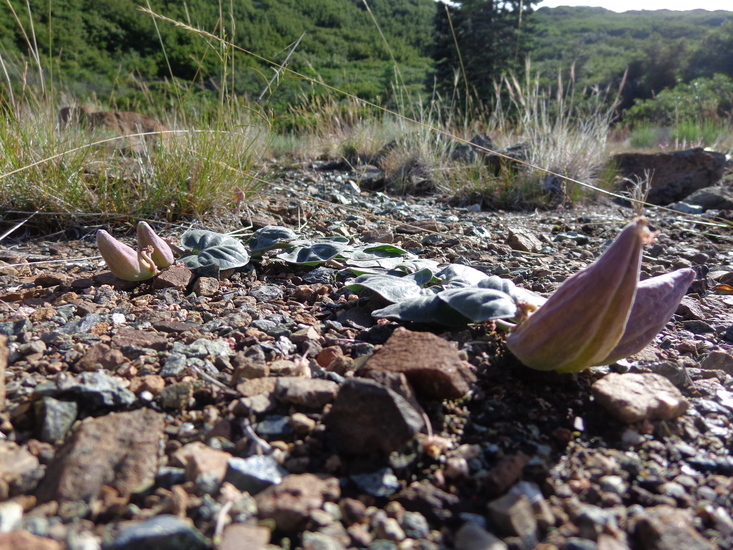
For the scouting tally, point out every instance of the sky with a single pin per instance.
(625, 5)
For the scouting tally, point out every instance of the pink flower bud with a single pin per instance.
(123, 261)
(583, 321)
(656, 300)
(162, 254)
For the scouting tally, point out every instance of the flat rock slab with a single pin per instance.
(163, 532)
(119, 450)
(635, 397)
(431, 364)
(674, 175)
(291, 502)
(368, 417)
(23, 540)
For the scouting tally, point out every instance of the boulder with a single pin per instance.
(673, 175)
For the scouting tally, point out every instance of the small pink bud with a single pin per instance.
(656, 300)
(162, 254)
(581, 323)
(123, 261)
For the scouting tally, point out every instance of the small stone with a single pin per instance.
(119, 450)
(152, 383)
(206, 286)
(291, 502)
(4, 352)
(523, 241)
(100, 356)
(415, 525)
(668, 528)
(238, 536)
(718, 360)
(635, 397)
(381, 483)
(437, 372)
(10, 515)
(435, 504)
(366, 417)
(128, 337)
(514, 515)
(312, 393)
(18, 467)
(253, 474)
(56, 416)
(96, 388)
(255, 386)
(473, 537)
(198, 458)
(164, 532)
(301, 424)
(177, 396)
(388, 529)
(23, 540)
(328, 354)
(505, 474)
(176, 276)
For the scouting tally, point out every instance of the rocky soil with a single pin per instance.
(270, 410)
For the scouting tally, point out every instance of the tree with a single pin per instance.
(479, 40)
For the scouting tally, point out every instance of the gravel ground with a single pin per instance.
(270, 408)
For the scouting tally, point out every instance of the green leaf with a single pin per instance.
(479, 304)
(269, 237)
(506, 286)
(459, 275)
(211, 248)
(423, 309)
(394, 289)
(315, 254)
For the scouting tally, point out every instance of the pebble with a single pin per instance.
(253, 474)
(668, 528)
(22, 540)
(471, 536)
(11, 513)
(513, 514)
(437, 372)
(56, 416)
(238, 536)
(119, 450)
(164, 532)
(368, 417)
(290, 503)
(635, 397)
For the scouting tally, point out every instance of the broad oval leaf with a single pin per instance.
(393, 289)
(506, 286)
(270, 236)
(480, 304)
(459, 275)
(312, 255)
(211, 248)
(423, 309)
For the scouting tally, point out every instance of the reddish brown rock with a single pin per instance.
(368, 417)
(198, 458)
(432, 365)
(505, 474)
(23, 540)
(119, 450)
(175, 276)
(306, 392)
(291, 502)
(668, 528)
(139, 339)
(100, 356)
(17, 466)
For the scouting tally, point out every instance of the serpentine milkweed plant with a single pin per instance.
(598, 316)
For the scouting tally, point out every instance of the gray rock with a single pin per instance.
(306, 392)
(513, 514)
(473, 537)
(57, 418)
(165, 532)
(13, 328)
(382, 483)
(711, 198)
(674, 175)
(267, 293)
(415, 525)
(254, 474)
(635, 397)
(96, 388)
(368, 417)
